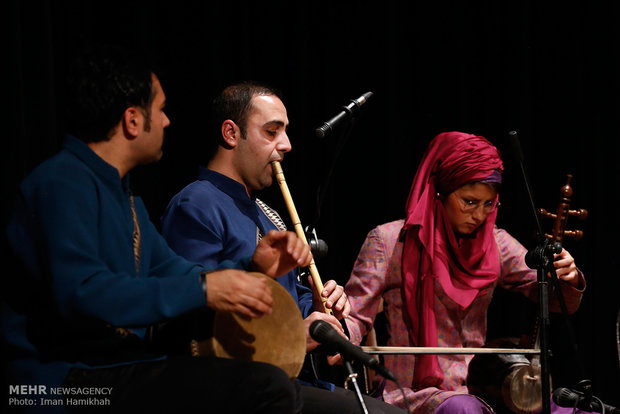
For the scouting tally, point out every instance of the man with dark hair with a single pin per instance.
(219, 216)
(97, 275)
(97, 101)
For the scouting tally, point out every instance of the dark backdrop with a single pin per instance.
(548, 71)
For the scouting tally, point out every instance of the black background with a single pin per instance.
(547, 70)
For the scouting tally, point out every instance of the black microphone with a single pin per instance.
(533, 257)
(348, 110)
(323, 333)
(318, 247)
(565, 397)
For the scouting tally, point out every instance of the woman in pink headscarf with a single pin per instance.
(434, 273)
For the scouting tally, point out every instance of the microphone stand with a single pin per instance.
(352, 377)
(310, 230)
(541, 259)
(340, 143)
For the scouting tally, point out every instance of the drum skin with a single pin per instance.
(278, 338)
(508, 382)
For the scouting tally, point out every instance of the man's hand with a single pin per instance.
(279, 252)
(233, 290)
(311, 343)
(336, 299)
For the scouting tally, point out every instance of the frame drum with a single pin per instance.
(278, 338)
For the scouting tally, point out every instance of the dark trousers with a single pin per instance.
(342, 401)
(184, 383)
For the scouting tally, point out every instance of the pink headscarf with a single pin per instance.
(431, 250)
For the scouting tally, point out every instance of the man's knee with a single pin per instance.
(278, 390)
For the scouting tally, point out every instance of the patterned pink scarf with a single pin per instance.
(431, 250)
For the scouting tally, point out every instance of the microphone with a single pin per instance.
(347, 111)
(318, 247)
(533, 258)
(323, 333)
(565, 397)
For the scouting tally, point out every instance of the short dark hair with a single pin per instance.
(101, 84)
(235, 103)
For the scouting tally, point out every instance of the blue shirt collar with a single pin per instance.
(106, 171)
(227, 185)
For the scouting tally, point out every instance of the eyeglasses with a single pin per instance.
(469, 206)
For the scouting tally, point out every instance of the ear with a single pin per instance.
(132, 121)
(231, 134)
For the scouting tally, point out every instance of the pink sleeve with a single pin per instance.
(517, 277)
(366, 285)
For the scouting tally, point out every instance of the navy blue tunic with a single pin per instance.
(73, 232)
(214, 219)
